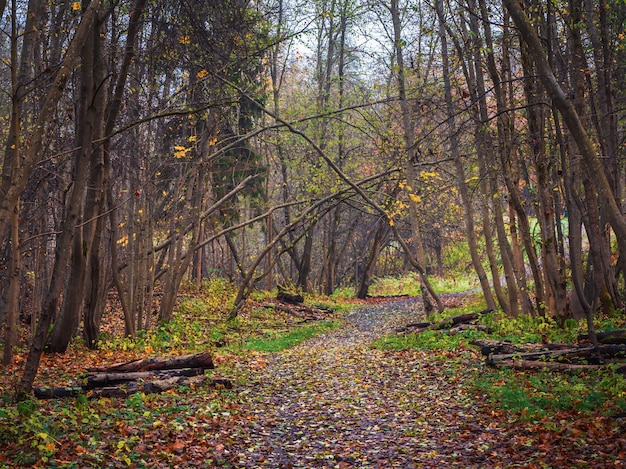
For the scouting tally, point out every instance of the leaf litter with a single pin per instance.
(336, 402)
(331, 402)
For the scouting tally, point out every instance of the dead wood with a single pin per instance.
(541, 354)
(610, 337)
(556, 356)
(450, 323)
(131, 387)
(305, 313)
(468, 327)
(106, 379)
(539, 364)
(488, 347)
(199, 360)
(288, 296)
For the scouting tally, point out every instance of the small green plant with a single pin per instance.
(532, 396)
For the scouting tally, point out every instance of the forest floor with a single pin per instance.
(333, 401)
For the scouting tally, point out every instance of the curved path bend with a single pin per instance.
(335, 402)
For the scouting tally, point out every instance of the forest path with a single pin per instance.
(336, 402)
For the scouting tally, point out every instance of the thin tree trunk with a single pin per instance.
(458, 165)
(11, 189)
(11, 330)
(380, 234)
(409, 140)
(572, 121)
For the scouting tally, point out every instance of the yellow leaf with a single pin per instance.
(76, 6)
(202, 73)
(415, 198)
(184, 40)
(213, 141)
(193, 138)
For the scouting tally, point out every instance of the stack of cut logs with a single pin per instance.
(611, 351)
(149, 375)
(292, 303)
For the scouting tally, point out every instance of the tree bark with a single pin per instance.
(572, 121)
(460, 169)
(64, 240)
(411, 157)
(11, 190)
(380, 234)
(202, 360)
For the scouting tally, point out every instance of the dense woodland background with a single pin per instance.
(314, 144)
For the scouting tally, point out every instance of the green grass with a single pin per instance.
(528, 395)
(539, 394)
(409, 284)
(289, 338)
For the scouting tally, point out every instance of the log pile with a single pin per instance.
(453, 325)
(562, 357)
(150, 375)
(292, 303)
(300, 311)
(611, 337)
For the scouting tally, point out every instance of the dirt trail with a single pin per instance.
(336, 402)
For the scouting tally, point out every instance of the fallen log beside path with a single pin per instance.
(453, 324)
(302, 312)
(200, 360)
(149, 375)
(540, 365)
(556, 356)
(617, 337)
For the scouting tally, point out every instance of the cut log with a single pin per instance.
(107, 379)
(132, 387)
(539, 365)
(601, 355)
(467, 327)
(305, 313)
(610, 337)
(488, 347)
(200, 360)
(288, 296)
(450, 323)
(541, 354)
(456, 320)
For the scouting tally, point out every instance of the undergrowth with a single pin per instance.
(409, 284)
(528, 395)
(35, 431)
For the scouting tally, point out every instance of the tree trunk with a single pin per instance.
(409, 146)
(89, 129)
(380, 234)
(12, 304)
(12, 188)
(460, 170)
(572, 121)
